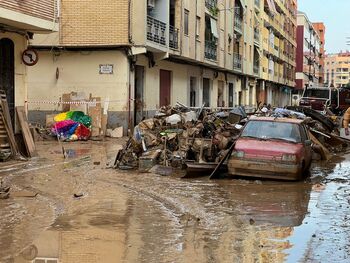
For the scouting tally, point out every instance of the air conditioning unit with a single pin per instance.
(151, 3)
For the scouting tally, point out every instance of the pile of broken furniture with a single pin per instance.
(197, 139)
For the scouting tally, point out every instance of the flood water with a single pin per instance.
(125, 216)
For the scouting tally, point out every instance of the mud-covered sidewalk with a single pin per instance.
(84, 212)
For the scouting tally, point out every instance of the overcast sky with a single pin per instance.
(335, 14)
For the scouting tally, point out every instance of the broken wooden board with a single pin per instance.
(23, 193)
(27, 135)
(95, 112)
(325, 154)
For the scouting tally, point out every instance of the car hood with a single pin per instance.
(268, 148)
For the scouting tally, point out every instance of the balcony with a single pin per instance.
(173, 37)
(238, 23)
(156, 31)
(237, 62)
(256, 69)
(211, 4)
(210, 51)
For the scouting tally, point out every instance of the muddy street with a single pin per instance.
(84, 212)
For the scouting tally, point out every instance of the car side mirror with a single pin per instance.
(308, 143)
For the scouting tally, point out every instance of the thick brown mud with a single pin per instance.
(125, 216)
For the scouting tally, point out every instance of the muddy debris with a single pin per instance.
(197, 139)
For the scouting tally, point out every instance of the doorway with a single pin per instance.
(7, 73)
(230, 95)
(139, 91)
(206, 92)
(165, 88)
(193, 92)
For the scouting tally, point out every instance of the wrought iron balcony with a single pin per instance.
(237, 61)
(211, 50)
(156, 31)
(211, 4)
(238, 23)
(173, 37)
(256, 69)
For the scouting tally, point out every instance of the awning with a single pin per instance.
(272, 7)
(214, 27)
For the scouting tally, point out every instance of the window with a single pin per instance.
(186, 17)
(198, 27)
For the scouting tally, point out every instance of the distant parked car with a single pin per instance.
(277, 148)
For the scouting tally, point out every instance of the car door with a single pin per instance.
(307, 144)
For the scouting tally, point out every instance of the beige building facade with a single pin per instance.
(158, 52)
(18, 23)
(337, 69)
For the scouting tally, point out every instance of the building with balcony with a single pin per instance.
(337, 69)
(308, 54)
(321, 30)
(279, 47)
(19, 21)
(205, 52)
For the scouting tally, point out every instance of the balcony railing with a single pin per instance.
(210, 51)
(156, 31)
(211, 4)
(237, 61)
(238, 23)
(256, 69)
(173, 37)
(256, 35)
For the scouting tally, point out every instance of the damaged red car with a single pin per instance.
(268, 147)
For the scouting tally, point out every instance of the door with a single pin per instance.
(230, 95)
(7, 73)
(139, 90)
(206, 92)
(220, 100)
(165, 88)
(193, 92)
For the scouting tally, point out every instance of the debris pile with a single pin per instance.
(178, 135)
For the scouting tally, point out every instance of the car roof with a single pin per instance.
(277, 119)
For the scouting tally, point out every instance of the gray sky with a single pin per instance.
(335, 14)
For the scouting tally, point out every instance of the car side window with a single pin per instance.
(303, 133)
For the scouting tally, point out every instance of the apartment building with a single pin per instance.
(159, 52)
(308, 54)
(19, 21)
(279, 48)
(337, 69)
(321, 30)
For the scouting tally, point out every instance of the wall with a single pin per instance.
(78, 72)
(43, 9)
(86, 23)
(20, 69)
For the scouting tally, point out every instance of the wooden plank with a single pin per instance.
(27, 135)
(95, 112)
(65, 98)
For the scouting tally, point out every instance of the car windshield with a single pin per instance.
(272, 130)
(317, 93)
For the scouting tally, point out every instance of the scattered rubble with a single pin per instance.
(199, 138)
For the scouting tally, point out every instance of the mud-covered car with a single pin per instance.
(278, 148)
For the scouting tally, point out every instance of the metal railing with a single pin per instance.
(211, 4)
(173, 37)
(237, 61)
(156, 31)
(210, 51)
(238, 23)
(256, 69)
